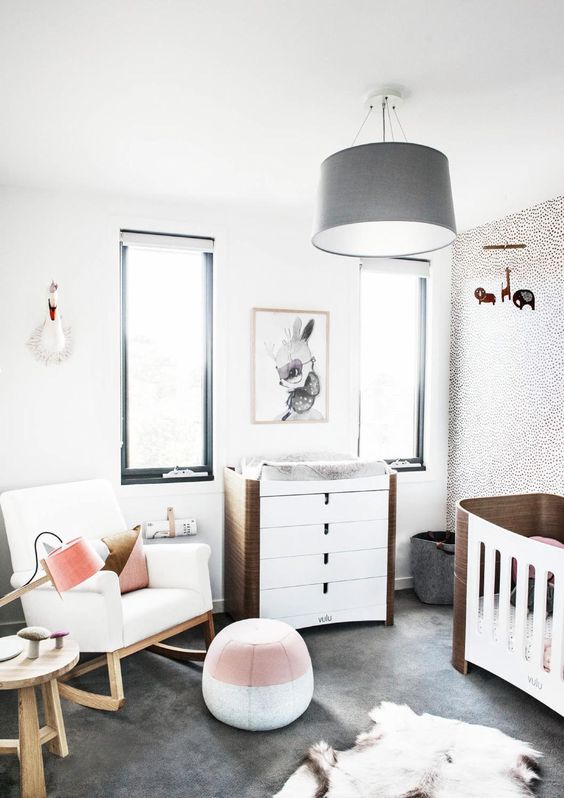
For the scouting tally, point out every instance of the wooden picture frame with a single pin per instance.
(294, 343)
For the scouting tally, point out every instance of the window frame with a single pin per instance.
(417, 463)
(203, 472)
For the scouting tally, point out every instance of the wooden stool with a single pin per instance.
(23, 674)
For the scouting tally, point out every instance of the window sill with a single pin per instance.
(170, 488)
(140, 480)
(401, 464)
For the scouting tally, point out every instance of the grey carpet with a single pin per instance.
(164, 742)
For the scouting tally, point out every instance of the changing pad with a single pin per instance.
(310, 466)
(528, 630)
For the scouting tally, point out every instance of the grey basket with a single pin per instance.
(432, 566)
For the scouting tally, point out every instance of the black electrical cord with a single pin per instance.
(36, 555)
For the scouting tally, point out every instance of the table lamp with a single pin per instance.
(65, 567)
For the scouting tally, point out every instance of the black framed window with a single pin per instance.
(393, 330)
(166, 386)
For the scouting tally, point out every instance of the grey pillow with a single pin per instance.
(531, 597)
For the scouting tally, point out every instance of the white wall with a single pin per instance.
(63, 423)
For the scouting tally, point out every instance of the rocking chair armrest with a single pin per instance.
(183, 565)
(92, 612)
(104, 582)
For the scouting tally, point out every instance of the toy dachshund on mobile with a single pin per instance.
(481, 296)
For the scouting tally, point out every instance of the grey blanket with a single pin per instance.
(310, 466)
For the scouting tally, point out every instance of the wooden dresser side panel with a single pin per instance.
(392, 499)
(242, 546)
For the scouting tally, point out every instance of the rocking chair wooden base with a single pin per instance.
(112, 660)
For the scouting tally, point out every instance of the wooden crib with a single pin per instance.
(495, 558)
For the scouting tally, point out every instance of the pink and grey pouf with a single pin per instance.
(257, 675)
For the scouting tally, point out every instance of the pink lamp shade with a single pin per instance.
(72, 563)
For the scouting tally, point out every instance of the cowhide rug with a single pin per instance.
(405, 755)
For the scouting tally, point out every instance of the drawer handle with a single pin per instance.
(325, 587)
(326, 498)
(326, 529)
(325, 559)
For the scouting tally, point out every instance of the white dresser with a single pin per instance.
(312, 552)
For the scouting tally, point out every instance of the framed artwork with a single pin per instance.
(290, 366)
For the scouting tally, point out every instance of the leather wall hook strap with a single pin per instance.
(171, 522)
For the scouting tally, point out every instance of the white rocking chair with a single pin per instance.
(95, 613)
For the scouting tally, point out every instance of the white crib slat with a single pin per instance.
(489, 577)
(557, 654)
(539, 617)
(504, 599)
(521, 607)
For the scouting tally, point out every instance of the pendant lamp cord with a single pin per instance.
(385, 110)
(399, 123)
(390, 119)
(359, 131)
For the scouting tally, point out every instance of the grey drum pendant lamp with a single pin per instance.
(385, 199)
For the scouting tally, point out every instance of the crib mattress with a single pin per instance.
(528, 630)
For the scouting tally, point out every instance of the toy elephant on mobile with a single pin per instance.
(524, 297)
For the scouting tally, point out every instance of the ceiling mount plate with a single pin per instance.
(375, 99)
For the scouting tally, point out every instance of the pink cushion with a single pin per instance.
(135, 575)
(548, 542)
(258, 652)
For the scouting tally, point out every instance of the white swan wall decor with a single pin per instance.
(51, 342)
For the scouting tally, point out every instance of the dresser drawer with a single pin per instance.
(290, 601)
(372, 612)
(292, 541)
(315, 568)
(323, 508)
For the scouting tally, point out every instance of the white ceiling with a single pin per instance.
(243, 98)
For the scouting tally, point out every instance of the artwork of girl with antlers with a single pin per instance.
(297, 363)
